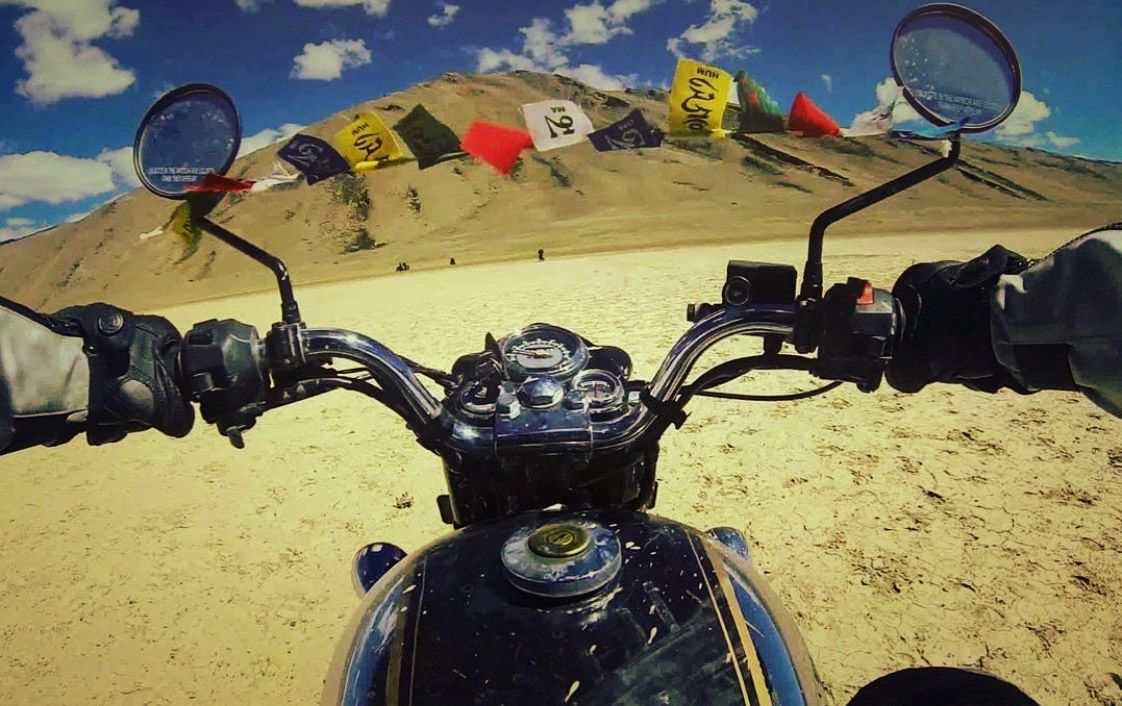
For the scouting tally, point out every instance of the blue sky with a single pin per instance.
(76, 75)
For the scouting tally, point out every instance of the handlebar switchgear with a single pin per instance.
(859, 329)
(224, 370)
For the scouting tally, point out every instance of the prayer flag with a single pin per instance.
(758, 111)
(496, 145)
(430, 140)
(630, 133)
(316, 159)
(697, 100)
(367, 139)
(217, 183)
(808, 120)
(556, 123)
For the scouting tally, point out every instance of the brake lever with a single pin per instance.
(233, 425)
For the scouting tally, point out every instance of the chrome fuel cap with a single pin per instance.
(561, 559)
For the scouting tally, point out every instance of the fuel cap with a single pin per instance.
(561, 559)
(563, 540)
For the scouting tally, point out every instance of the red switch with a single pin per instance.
(866, 294)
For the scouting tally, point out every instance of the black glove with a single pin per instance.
(133, 371)
(946, 335)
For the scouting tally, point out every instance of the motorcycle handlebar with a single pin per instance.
(388, 368)
(226, 367)
(395, 375)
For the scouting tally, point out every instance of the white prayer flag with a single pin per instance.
(556, 123)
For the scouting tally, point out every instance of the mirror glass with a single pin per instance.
(188, 133)
(955, 66)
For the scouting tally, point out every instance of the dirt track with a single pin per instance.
(947, 527)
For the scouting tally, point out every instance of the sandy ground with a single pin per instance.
(947, 527)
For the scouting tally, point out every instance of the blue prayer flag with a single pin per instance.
(314, 157)
(630, 133)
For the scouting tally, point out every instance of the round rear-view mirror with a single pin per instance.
(190, 132)
(955, 66)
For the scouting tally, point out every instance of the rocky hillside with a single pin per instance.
(568, 201)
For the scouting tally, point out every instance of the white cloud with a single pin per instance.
(377, 8)
(1032, 140)
(547, 50)
(541, 44)
(51, 178)
(717, 35)
(1061, 141)
(594, 76)
(58, 52)
(887, 93)
(445, 16)
(250, 5)
(120, 160)
(326, 61)
(491, 60)
(17, 228)
(829, 81)
(1022, 122)
(268, 136)
(622, 10)
(592, 24)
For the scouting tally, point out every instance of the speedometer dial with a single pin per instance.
(603, 390)
(540, 354)
(543, 350)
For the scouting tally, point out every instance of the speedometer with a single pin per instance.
(603, 390)
(543, 350)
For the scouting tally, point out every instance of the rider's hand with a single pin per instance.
(946, 335)
(133, 369)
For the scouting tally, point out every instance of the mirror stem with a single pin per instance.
(812, 273)
(290, 312)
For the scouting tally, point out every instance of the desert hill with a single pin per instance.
(568, 201)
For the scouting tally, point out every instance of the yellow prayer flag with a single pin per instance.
(365, 166)
(697, 100)
(367, 139)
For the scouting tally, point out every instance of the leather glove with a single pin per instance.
(946, 333)
(133, 371)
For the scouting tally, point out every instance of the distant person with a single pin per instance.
(405, 265)
(451, 261)
(541, 255)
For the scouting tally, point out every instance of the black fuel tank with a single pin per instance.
(682, 620)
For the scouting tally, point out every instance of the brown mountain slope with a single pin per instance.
(567, 201)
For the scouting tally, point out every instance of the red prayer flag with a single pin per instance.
(217, 182)
(496, 145)
(809, 120)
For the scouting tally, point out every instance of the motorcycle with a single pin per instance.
(557, 586)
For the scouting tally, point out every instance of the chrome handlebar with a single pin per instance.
(774, 319)
(391, 372)
(395, 375)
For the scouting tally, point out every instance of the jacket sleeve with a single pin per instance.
(44, 380)
(1061, 319)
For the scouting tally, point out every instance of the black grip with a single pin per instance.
(222, 365)
(860, 325)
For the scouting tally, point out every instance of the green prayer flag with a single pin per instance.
(758, 111)
(430, 140)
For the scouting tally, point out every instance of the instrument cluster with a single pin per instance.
(544, 368)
